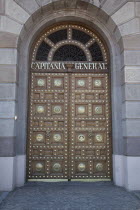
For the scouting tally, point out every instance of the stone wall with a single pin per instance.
(119, 23)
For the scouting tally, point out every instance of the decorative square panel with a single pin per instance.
(58, 82)
(81, 109)
(56, 167)
(99, 109)
(39, 137)
(81, 137)
(40, 109)
(57, 109)
(38, 167)
(99, 167)
(41, 82)
(98, 83)
(99, 137)
(81, 168)
(57, 137)
(81, 83)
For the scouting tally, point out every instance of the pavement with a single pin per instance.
(71, 196)
(3, 195)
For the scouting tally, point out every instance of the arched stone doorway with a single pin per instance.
(112, 21)
(69, 119)
(26, 40)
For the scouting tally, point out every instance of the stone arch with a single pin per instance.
(92, 17)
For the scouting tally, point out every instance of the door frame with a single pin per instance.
(25, 46)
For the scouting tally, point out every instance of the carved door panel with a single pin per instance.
(69, 126)
(90, 127)
(48, 128)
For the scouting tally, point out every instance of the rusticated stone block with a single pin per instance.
(102, 16)
(131, 146)
(29, 6)
(92, 9)
(7, 73)
(131, 127)
(8, 91)
(9, 25)
(132, 109)
(132, 57)
(59, 5)
(132, 74)
(111, 24)
(131, 92)
(7, 174)
(43, 2)
(122, 15)
(82, 5)
(112, 6)
(7, 146)
(131, 42)
(117, 34)
(130, 27)
(7, 109)
(13, 10)
(7, 127)
(8, 40)
(8, 56)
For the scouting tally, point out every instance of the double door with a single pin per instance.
(69, 126)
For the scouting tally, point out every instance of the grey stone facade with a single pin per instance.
(118, 22)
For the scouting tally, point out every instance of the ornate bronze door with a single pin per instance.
(89, 126)
(48, 154)
(69, 126)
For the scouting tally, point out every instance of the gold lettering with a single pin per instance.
(85, 66)
(80, 66)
